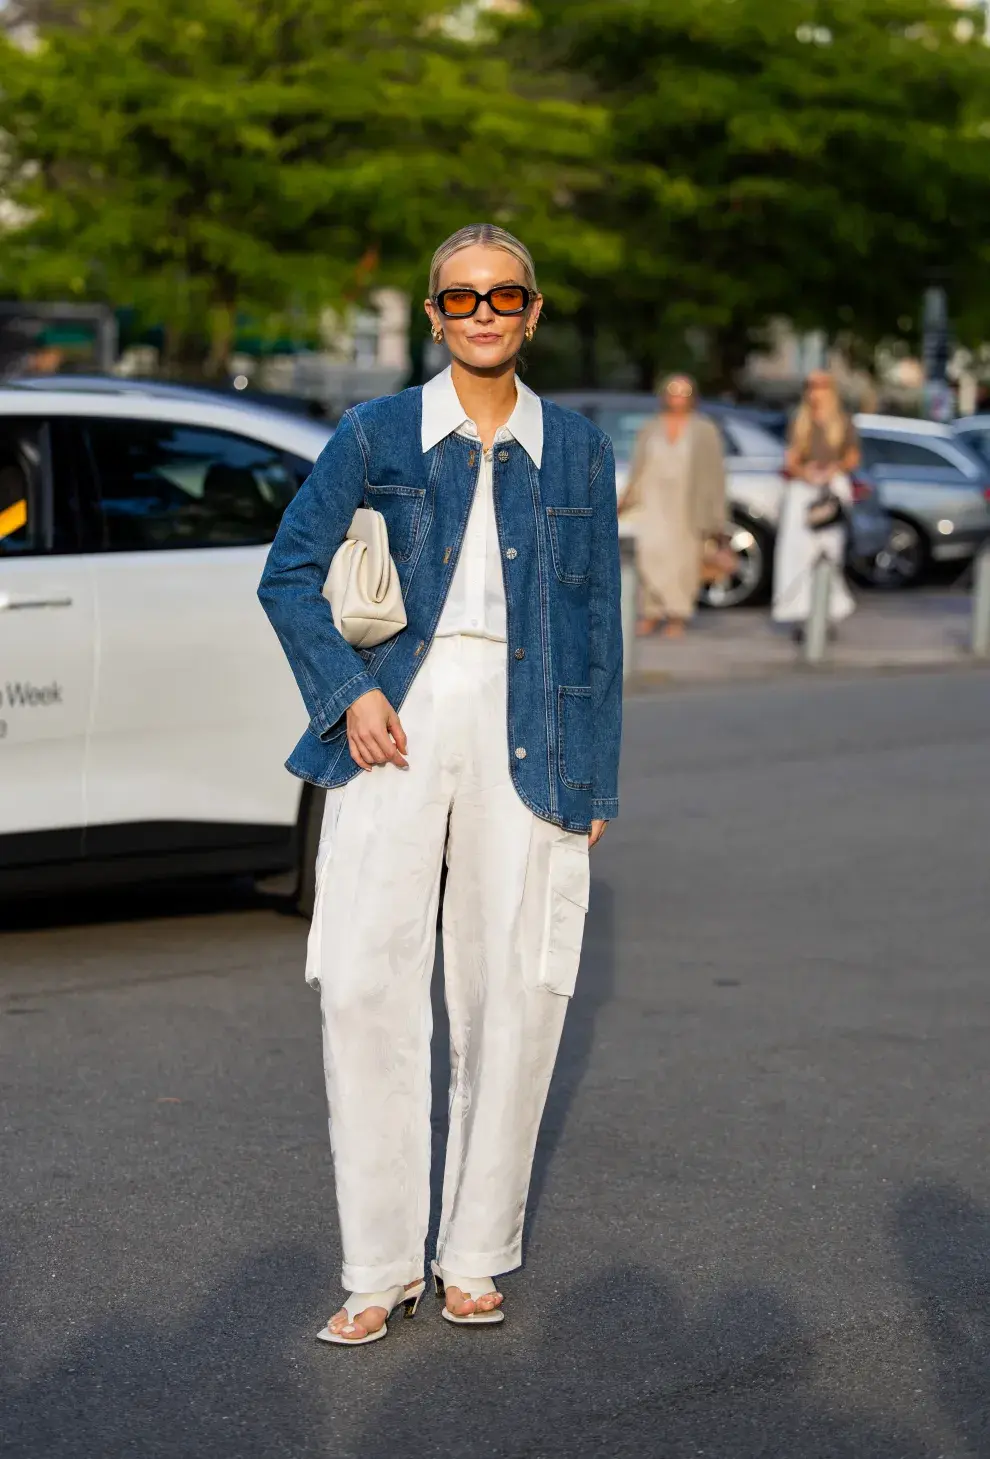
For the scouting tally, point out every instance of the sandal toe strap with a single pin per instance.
(472, 1287)
(361, 1301)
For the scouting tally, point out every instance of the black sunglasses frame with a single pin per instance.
(480, 299)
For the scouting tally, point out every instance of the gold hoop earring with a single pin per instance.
(530, 331)
(437, 335)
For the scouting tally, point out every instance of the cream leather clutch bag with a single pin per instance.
(362, 586)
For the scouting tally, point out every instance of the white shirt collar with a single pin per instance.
(443, 414)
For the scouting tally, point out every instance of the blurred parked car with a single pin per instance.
(754, 459)
(146, 707)
(177, 390)
(936, 489)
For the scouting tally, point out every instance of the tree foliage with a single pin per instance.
(673, 163)
(206, 155)
(817, 159)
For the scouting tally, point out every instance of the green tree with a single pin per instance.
(209, 156)
(816, 159)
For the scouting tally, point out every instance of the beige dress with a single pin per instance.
(676, 492)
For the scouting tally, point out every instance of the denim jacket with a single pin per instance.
(558, 539)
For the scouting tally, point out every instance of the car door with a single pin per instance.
(47, 648)
(195, 707)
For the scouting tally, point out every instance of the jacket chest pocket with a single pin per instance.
(402, 508)
(570, 542)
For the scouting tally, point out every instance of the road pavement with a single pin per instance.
(761, 1210)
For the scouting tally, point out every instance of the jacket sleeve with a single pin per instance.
(605, 636)
(329, 672)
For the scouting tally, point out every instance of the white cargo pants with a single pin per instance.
(513, 920)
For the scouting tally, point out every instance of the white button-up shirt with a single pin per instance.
(476, 601)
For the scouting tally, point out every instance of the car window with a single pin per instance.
(166, 485)
(746, 438)
(623, 426)
(299, 468)
(888, 451)
(22, 530)
(977, 440)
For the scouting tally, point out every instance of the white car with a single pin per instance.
(146, 708)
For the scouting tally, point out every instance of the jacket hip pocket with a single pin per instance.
(566, 905)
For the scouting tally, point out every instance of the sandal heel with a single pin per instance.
(441, 1291)
(411, 1304)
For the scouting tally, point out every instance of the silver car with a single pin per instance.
(936, 489)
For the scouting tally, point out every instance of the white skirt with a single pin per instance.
(798, 549)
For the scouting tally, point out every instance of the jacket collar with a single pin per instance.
(443, 414)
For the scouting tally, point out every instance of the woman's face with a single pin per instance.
(819, 392)
(678, 397)
(485, 341)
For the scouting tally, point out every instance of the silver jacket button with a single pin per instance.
(520, 753)
(503, 455)
(511, 554)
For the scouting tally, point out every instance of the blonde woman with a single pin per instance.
(677, 490)
(822, 449)
(485, 734)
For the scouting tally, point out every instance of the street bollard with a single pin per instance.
(980, 640)
(627, 560)
(816, 628)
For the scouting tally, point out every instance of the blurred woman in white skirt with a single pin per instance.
(822, 450)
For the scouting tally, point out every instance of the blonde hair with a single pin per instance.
(835, 422)
(488, 235)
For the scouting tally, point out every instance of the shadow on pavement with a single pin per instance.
(595, 988)
(152, 900)
(943, 1237)
(212, 1385)
(620, 1367)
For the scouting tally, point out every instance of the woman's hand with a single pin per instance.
(596, 833)
(374, 734)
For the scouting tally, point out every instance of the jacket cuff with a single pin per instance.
(605, 809)
(326, 721)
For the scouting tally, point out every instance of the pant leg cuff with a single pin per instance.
(380, 1278)
(480, 1263)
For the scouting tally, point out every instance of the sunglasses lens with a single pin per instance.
(458, 303)
(510, 300)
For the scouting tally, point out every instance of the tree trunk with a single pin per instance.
(222, 321)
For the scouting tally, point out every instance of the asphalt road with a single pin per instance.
(761, 1212)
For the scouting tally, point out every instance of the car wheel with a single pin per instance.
(310, 822)
(751, 582)
(901, 563)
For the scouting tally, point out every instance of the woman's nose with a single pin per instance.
(485, 313)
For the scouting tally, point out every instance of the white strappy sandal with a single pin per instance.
(406, 1298)
(473, 1287)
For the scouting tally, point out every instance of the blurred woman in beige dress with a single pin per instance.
(676, 491)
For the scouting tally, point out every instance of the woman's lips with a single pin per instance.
(485, 338)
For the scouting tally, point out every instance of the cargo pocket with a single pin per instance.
(568, 881)
(324, 855)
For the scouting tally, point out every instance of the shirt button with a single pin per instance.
(520, 653)
(511, 554)
(503, 455)
(520, 753)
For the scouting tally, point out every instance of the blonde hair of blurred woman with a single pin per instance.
(820, 406)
